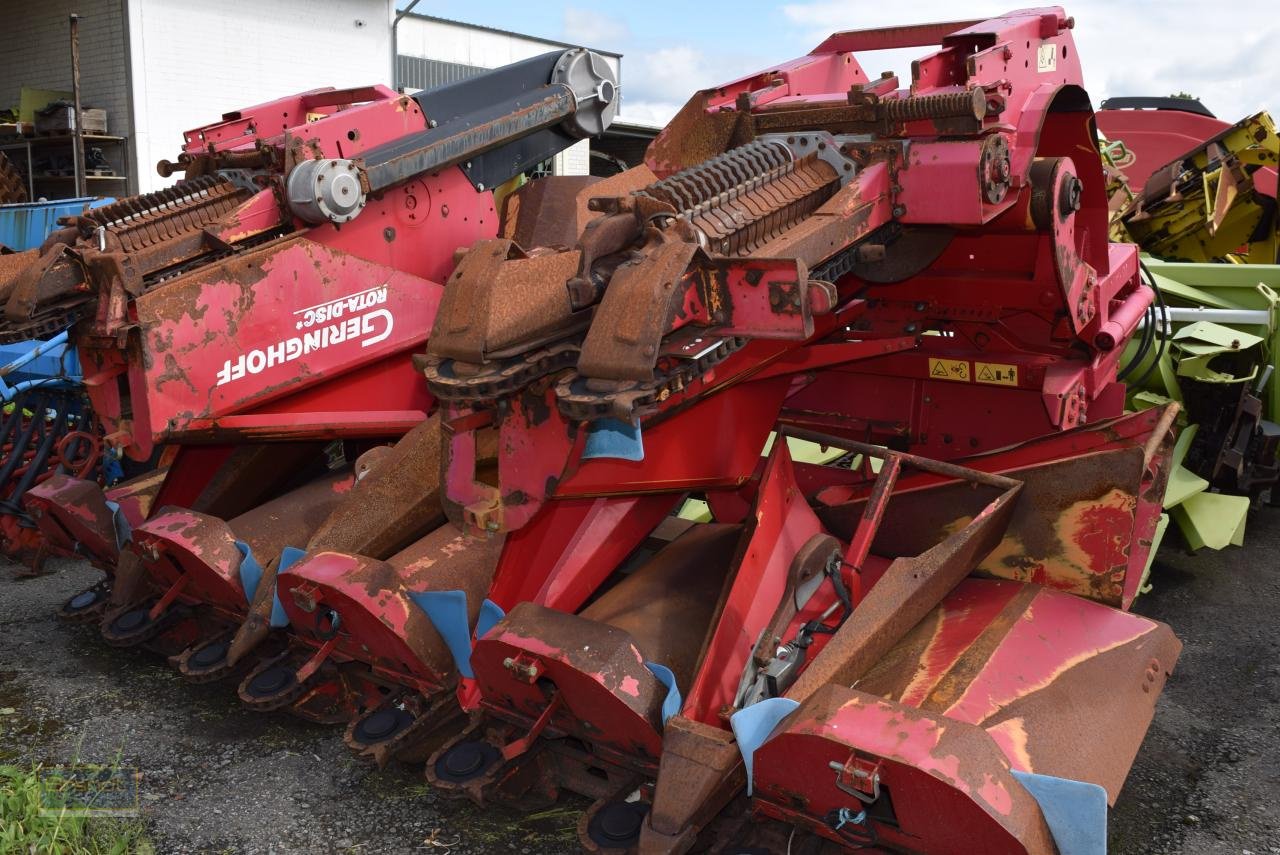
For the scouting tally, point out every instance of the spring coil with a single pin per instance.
(970, 103)
(700, 184)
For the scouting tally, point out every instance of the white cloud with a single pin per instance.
(648, 112)
(657, 83)
(594, 29)
(671, 73)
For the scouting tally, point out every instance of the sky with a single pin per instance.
(1227, 53)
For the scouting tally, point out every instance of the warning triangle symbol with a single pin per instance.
(938, 370)
(985, 373)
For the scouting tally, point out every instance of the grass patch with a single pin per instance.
(24, 829)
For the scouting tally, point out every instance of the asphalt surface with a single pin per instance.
(218, 778)
(1208, 777)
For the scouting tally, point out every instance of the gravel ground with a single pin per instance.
(218, 778)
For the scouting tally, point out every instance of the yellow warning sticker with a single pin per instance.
(949, 369)
(997, 373)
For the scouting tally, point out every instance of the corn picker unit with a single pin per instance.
(873, 332)
(268, 304)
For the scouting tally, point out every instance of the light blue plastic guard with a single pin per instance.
(752, 726)
(447, 611)
(124, 533)
(614, 438)
(1075, 811)
(672, 703)
(251, 577)
(490, 614)
(288, 557)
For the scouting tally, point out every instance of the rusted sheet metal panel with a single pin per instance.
(1065, 686)
(394, 502)
(700, 769)
(379, 623)
(1071, 530)
(1000, 676)
(1093, 498)
(228, 484)
(275, 322)
(552, 212)
(177, 542)
(546, 212)
(607, 694)
(638, 309)
(952, 789)
(72, 510)
(290, 519)
(781, 524)
(910, 587)
(666, 604)
(498, 299)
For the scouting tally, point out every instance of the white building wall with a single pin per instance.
(574, 160)
(193, 60)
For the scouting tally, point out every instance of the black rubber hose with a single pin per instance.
(1144, 343)
(21, 440)
(1164, 324)
(50, 439)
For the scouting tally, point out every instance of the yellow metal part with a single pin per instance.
(1204, 207)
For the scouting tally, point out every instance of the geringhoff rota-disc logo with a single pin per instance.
(346, 319)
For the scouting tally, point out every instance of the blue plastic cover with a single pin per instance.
(289, 556)
(124, 533)
(672, 703)
(490, 614)
(613, 438)
(447, 611)
(1075, 811)
(752, 726)
(251, 577)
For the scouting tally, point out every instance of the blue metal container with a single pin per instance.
(26, 226)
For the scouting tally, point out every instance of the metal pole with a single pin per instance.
(396, 83)
(77, 134)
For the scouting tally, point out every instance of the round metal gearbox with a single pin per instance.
(325, 191)
(594, 88)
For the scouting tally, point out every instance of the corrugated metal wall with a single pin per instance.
(414, 73)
